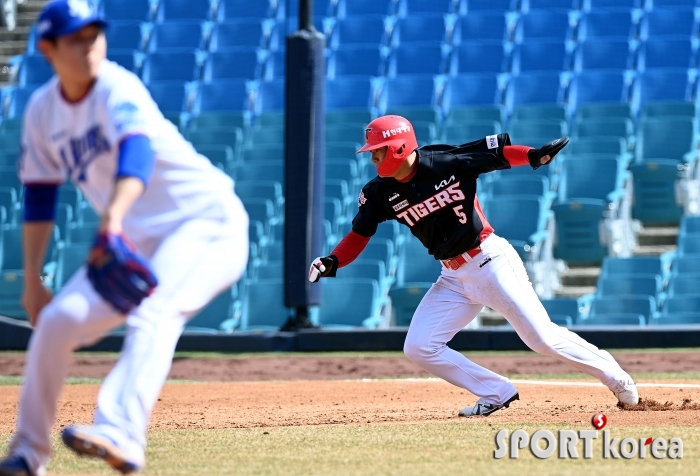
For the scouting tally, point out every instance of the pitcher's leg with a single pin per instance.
(512, 295)
(441, 314)
(189, 281)
(73, 318)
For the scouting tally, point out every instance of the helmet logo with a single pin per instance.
(392, 132)
(367, 131)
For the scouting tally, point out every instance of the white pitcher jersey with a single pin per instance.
(80, 142)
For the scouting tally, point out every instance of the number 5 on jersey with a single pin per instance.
(458, 211)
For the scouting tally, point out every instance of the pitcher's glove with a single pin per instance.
(550, 148)
(119, 273)
(323, 267)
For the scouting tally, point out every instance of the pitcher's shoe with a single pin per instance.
(626, 391)
(15, 466)
(86, 441)
(485, 409)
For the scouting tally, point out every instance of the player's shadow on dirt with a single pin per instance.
(648, 405)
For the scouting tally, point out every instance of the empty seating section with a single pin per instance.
(618, 77)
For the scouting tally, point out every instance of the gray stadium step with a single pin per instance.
(574, 291)
(580, 276)
(653, 250)
(650, 236)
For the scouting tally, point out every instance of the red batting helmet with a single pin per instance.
(397, 134)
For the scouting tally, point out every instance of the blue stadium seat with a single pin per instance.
(266, 189)
(599, 86)
(350, 302)
(521, 219)
(182, 10)
(598, 179)
(684, 318)
(232, 63)
(577, 238)
(606, 23)
(595, 5)
(471, 90)
(468, 114)
(261, 170)
(525, 185)
(636, 266)
(643, 305)
(596, 145)
(562, 307)
(688, 264)
(219, 120)
(603, 110)
(347, 8)
(689, 244)
(476, 56)
(426, 28)
(539, 112)
(662, 22)
(73, 257)
(484, 26)
(273, 64)
(651, 4)
(563, 5)
(606, 53)
(124, 35)
(626, 285)
(369, 269)
(82, 234)
(231, 95)
(124, 58)
(18, 98)
(655, 200)
(362, 60)
(183, 66)
(489, 6)
(220, 309)
(260, 209)
(11, 288)
(537, 128)
(116, 10)
(605, 127)
(676, 305)
(421, 58)
(34, 70)
(618, 318)
(690, 224)
(245, 9)
(232, 137)
(668, 53)
(430, 7)
(665, 84)
(263, 305)
(270, 96)
(261, 136)
(685, 284)
(654, 143)
(405, 300)
(534, 88)
(540, 55)
(543, 24)
(168, 95)
(341, 132)
(179, 34)
(668, 108)
(250, 33)
(349, 93)
(409, 90)
(461, 132)
(365, 30)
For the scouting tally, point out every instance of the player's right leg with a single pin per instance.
(442, 313)
(75, 317)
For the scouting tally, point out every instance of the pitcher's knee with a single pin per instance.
(418, 350)
(57, 328)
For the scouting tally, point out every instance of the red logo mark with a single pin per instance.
(599, 421)
(648, 442)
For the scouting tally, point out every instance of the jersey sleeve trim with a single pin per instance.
(349, 248)
(40, 201)
(516, 155)
(136, 158)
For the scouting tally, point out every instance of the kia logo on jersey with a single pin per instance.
(437, 202)
(445, 183)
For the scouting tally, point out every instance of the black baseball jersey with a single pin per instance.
(439, 202)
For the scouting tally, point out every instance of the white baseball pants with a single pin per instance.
(495, 278)
(193, 264)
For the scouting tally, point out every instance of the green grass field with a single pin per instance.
(408, 449)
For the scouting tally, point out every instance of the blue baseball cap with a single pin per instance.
(63, 17)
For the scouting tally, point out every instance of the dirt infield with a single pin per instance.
(307, 390)
(332, 368)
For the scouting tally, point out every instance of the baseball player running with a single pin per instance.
(432, 190)
(96, 124)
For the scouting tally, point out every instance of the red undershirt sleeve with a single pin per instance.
(516, 155)
(350, 248)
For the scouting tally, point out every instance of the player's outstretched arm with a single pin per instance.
(345, 253)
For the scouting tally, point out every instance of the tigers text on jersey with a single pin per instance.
(439, 204)
(80, 142)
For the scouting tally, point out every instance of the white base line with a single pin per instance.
(538, 382)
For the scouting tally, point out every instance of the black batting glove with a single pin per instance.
(550, 148)
(323, 267)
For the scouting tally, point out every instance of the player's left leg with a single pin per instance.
(193, 264)
(506, 288)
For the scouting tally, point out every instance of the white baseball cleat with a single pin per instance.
(485, 409)
(626, 391)
(87, 441)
